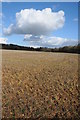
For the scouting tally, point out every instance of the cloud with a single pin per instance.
(3, 40)
(36, 26)
(0, 14)
(75, 19)
(44, 41)
(36, 22)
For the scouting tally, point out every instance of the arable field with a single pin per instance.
(39, 85)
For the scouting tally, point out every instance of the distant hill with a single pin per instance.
(66, 49)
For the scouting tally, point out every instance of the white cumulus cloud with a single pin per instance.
(3, 40)
(36, 22)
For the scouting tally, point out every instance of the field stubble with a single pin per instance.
(39, 85)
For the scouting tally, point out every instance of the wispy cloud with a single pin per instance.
(75, 19)
(49, 41)
(0, 14)
(3, 40)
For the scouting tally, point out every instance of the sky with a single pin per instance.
(40, 24)
(40, 0)
(0, 18)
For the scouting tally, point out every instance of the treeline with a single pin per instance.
(66, 49)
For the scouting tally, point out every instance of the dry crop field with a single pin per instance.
(39, 85)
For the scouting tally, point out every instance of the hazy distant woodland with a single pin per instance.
(65, 49)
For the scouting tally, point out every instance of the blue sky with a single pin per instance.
(40, 0)
(0, 18)
(68, 31)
